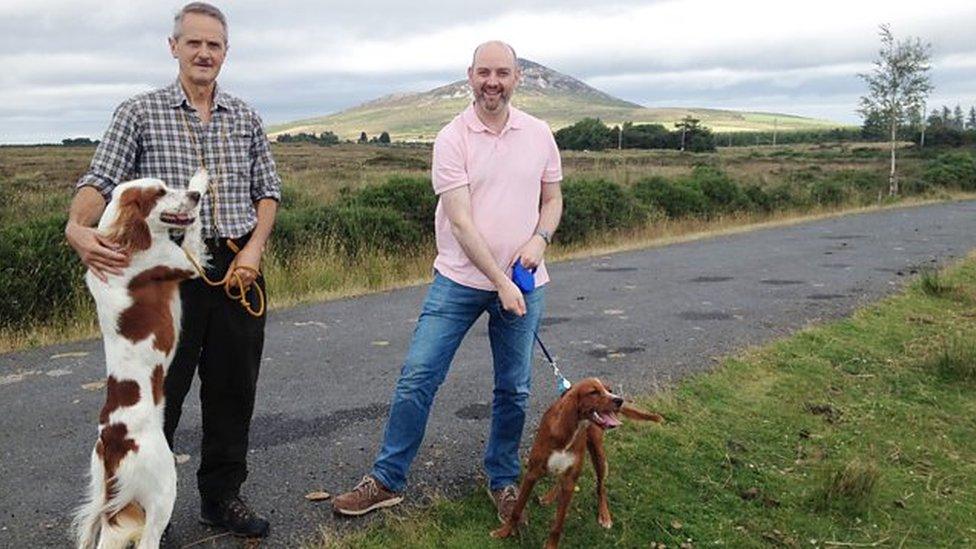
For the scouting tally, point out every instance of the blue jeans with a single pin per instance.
(448, 312)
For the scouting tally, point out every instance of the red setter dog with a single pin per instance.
(572, 425)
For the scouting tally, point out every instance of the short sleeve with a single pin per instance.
(115, 157)
(448, 169)
(265, 182)
(554, 165)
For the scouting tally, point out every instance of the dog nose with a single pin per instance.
(618, 402)
(193, 196)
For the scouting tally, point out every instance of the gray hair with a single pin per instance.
(474, 56)
(202, 8)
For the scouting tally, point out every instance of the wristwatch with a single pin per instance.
(546, 235)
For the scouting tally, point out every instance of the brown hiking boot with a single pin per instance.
(368, 495)
(504, 500)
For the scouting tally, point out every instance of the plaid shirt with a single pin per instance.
(148, 138)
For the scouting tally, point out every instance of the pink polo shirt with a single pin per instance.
(504, 173)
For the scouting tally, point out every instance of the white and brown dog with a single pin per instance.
(133, 475)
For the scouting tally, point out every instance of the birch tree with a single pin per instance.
(897, 88)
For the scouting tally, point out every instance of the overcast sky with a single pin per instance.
(65, 65)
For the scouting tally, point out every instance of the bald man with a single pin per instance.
(496, 171)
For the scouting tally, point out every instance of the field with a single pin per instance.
(356, 218)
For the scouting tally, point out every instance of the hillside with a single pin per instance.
(550, 95)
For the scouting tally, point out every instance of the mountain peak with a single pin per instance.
(536, 79)
(557, 98)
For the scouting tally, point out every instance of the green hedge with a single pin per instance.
(411, 197)
(351, 229)
(955, 169)
(594, 205)
(41, 276)
(676, 200)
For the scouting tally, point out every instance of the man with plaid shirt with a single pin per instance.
(167, 134)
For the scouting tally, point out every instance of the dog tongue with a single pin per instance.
(611, 419)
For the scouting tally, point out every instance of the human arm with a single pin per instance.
(266, 194)
(113, 160)
(250, 254)
(550, 208)
(102, 256)
(550, 211)
(457, 206)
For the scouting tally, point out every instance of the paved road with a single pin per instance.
(640, 319)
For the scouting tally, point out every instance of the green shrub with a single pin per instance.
(592, 206)
(676, 200)
(412, 197)
(828, 192)
(955, 169)
(352, 229)
(722, 193)
(760, 199)
(784, 196)
(41, 276)
(359, 228)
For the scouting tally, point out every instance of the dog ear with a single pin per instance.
(200, 182)
(130, 229)
(636, 413)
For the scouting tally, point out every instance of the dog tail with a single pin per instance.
(88, 517)
(636, 413)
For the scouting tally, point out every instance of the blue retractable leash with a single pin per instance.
(525, 280)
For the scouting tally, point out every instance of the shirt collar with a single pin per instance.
(178, 96)
(476, 125)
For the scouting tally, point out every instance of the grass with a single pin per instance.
(859, 433)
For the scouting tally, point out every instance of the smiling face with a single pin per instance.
(595, 403)
(200, 47)
(493, 76)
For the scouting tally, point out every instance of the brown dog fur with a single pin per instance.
(567, 431)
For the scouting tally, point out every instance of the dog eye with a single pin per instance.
(594, 392)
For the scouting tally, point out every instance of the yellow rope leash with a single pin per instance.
(231, 278)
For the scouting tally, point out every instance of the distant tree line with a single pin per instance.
(788, 137)
(328, 138)
(593, 135)
(383, 138)
(950, 127)
(324, 138)
(78, 142)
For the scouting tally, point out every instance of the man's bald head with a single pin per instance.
(494, 46)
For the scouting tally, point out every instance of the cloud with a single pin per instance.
(67, 64)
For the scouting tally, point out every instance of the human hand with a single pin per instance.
(100, 254)
(246, 267)
(531, 252)
(511, 298)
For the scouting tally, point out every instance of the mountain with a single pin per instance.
(557, 98)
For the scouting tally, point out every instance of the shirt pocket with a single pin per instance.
(239, 152)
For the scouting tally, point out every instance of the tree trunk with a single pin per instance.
(893, 176)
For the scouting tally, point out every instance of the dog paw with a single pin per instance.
(503, 532)
(606, 522)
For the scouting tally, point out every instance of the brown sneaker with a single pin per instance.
(368, 495)
(504, 500)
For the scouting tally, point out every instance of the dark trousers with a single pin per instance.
(223, 343)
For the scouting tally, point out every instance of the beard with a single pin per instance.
(492, 103)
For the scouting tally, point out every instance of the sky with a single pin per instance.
(66, 64)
